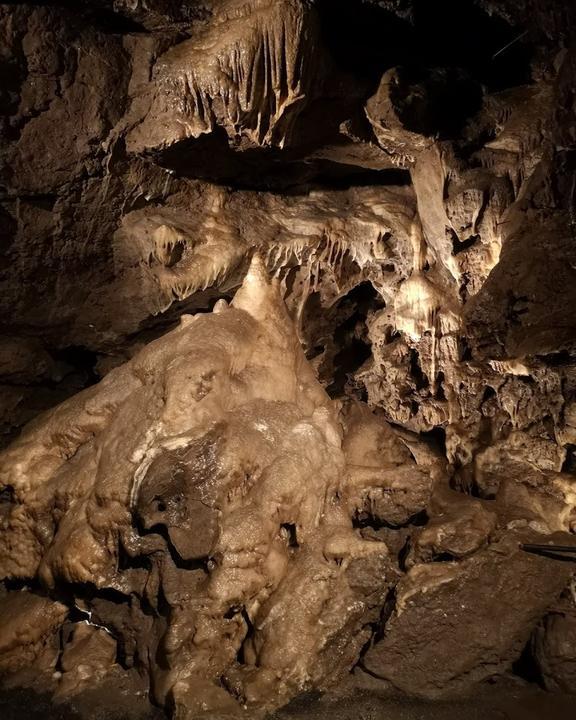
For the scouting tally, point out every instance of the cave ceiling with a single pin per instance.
(287, 345)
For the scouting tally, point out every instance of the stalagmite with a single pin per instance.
(287, 358)
(239, 443)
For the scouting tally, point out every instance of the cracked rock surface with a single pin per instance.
(287, 350)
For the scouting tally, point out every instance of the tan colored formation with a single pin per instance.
(328, 411)
(211, 485)
(216, 455)
(250, 72)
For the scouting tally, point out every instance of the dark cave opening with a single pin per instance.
(436, 437)
(435, 102)
(250, 632)
(289, 171)
(525, 666)
(364, 519)
(420, 377)
(459, 246)
(352, 356)
(7, 501)
(81, 361)
(447, 54)
(202, 301)
(440, 34)
(569, 464)
(291, 534)
(350, 335)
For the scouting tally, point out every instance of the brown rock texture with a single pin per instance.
(457, 623)
(287, 347)
(553, 646)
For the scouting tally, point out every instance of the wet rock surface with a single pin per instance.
(287, 356)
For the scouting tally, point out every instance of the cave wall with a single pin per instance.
(399, 177)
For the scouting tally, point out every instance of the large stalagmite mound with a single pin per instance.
(201, 508)
(287, 349)
(204, 483)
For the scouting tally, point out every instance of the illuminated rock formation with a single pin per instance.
(287, 348)
(249, 71)
(232, 486)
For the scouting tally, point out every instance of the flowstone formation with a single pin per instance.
(206, 514)
(204, 484)
(287, 349)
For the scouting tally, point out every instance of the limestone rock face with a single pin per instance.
(475, 631)
(29, 636)
(249, 71)
(553, 647)
(287, 346)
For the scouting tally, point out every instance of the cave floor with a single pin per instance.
(491, 702)
(517, 704)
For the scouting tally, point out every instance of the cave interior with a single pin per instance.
(287, 359)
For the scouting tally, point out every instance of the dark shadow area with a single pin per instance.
(290, 171)
(569, 464)
(107, 703)
(526, 667)
(446, 53)
(366, 520)
(366, 39)
(436, 439)
(80, 360)
(350, 336)
(155, 326)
